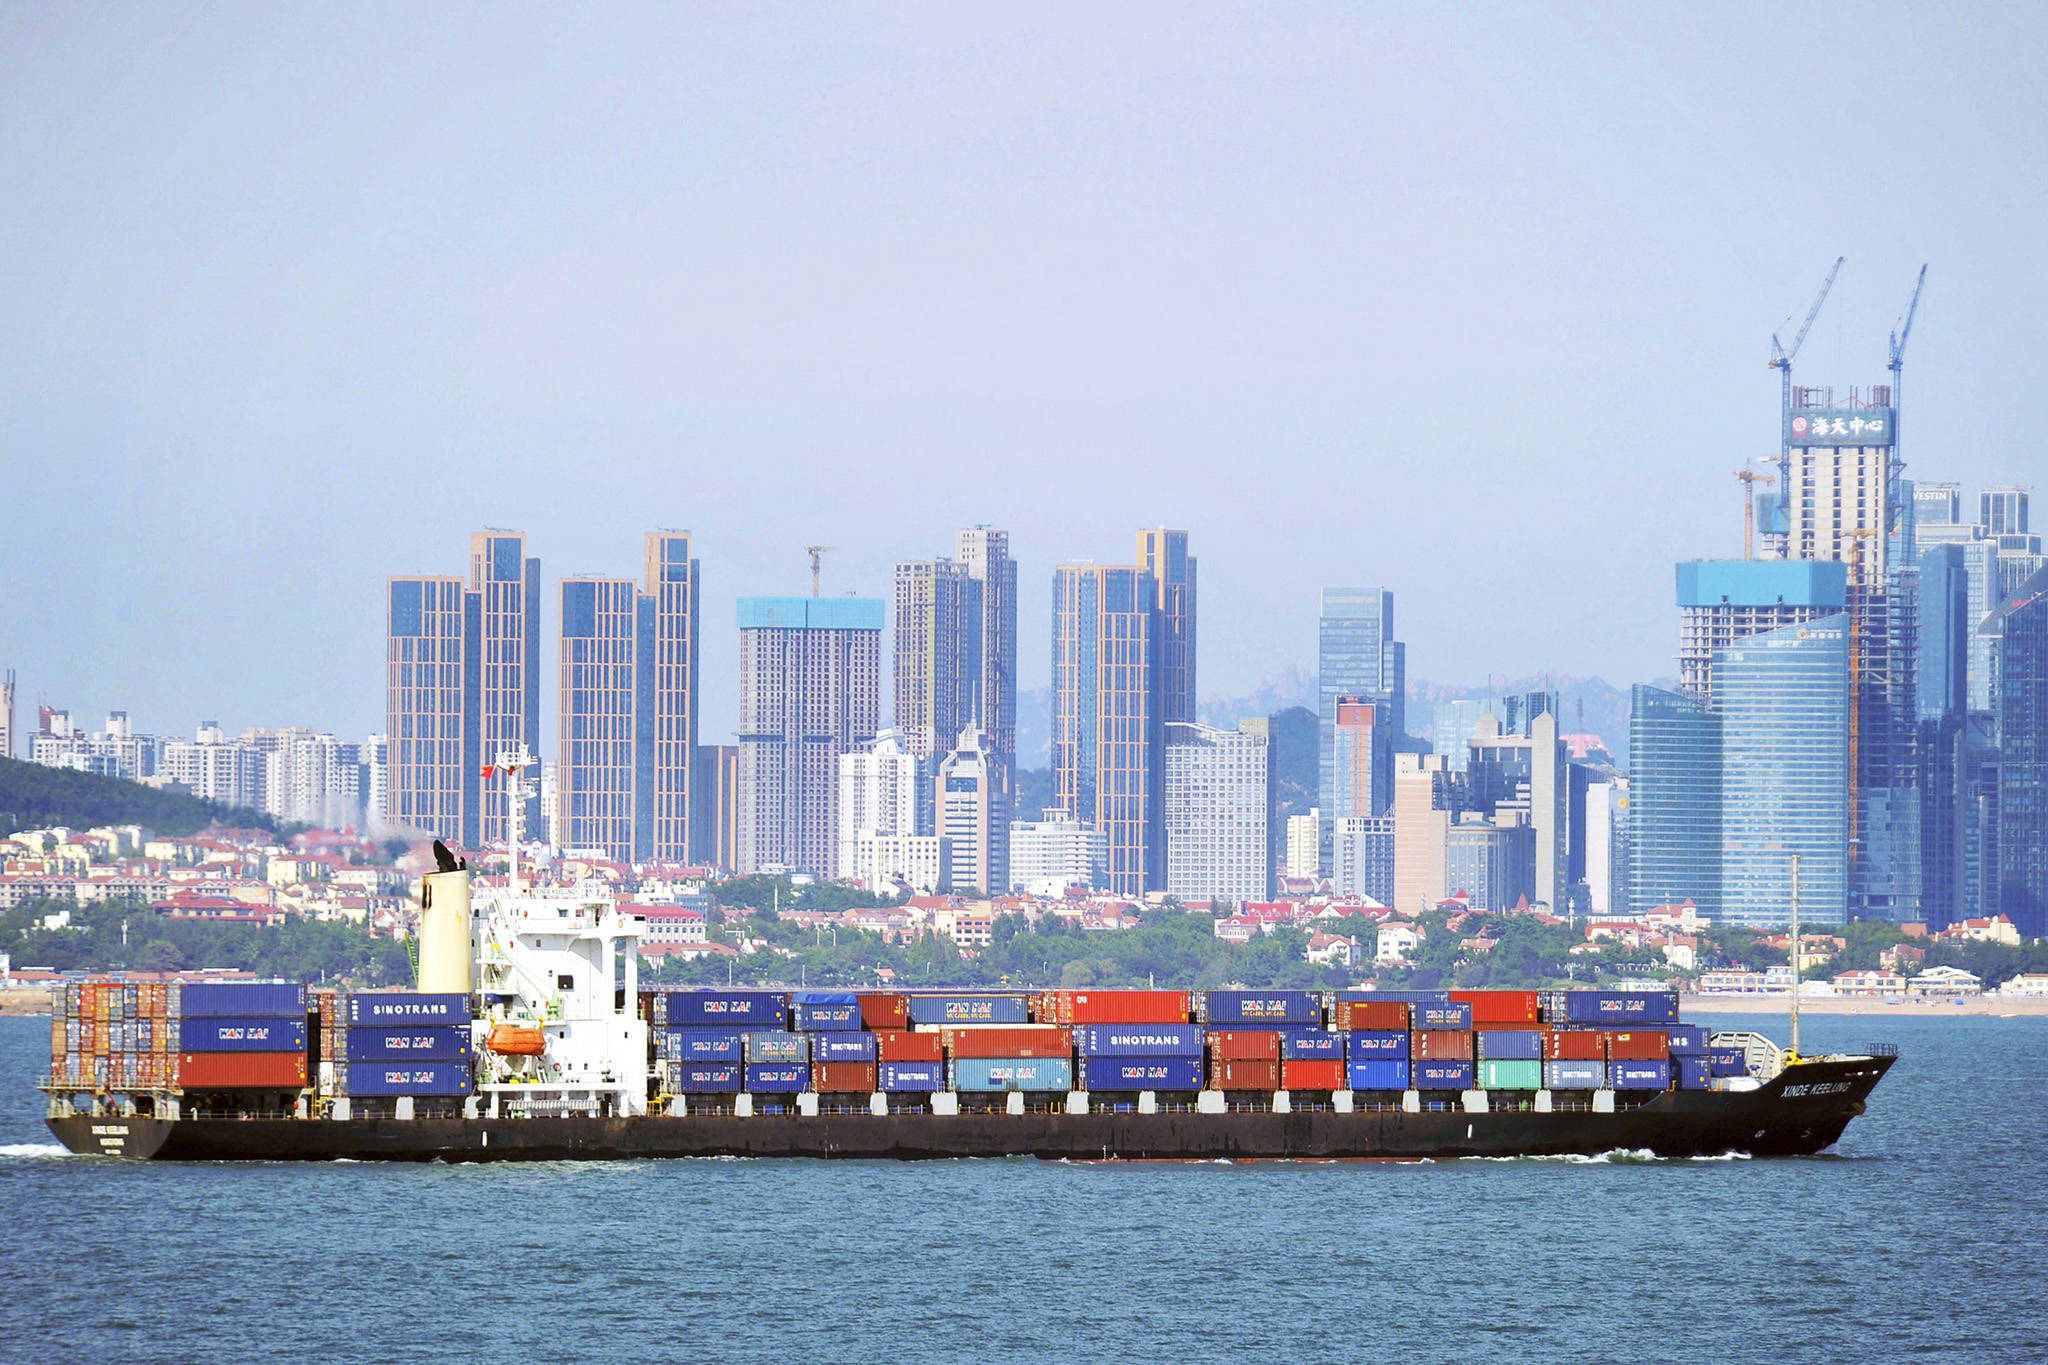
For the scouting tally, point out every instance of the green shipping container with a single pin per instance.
(1511, 1075)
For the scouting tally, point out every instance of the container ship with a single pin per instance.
(529, 1038)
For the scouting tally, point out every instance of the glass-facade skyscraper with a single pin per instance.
(1674, 802)
(2023, 757)
(1356, 657)
(1783, 702)
(1108, 760)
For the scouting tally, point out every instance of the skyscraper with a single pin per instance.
(1106, 740)
(1219, 799)
(1722, 601)
(1164, 555)
(956, 653)
(810, 679)
(2002, 510)
(877, 795)
(986, 554)
(1362, 773)
(1674, 802)
(973, 818)
(1783, 703)
(430, 707)
(506, 585)
(1425, 805)
(7, 715)
(2023, 758)
(1523, 779)
(627, 709)
(1356, 656)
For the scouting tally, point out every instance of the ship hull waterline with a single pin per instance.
(1800, 1113)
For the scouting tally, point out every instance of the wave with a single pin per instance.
(32, 1149)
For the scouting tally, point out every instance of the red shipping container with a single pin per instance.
(843, 1078)
(1244, 1045)
(879, 1012)
(898, 1045)
(1244, 1075)
(1638, 1045)
(1372, 1015)
(1440, 1045)
(1113, 1007)
(1575, 1045)
(226, 1070)
(1313, 1073)
(1514, 1009)
(1012, 1041)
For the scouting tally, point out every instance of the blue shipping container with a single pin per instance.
(408, 1044)
(728, 1009)
(1688, 1040)
(969, 1009)
(1013, 1073)
(1141, 1073)
(1640, 1075)
(1228, 1009)
(404, 1007)
(1728, 1061)
(241, 999)
(1621, 1007)
(409, 1078)
(778, 1047)
(1302, 1044)
(827, 1016)
(1441, 1075)
(1694, 1073)
(244, 1034)
(1575, 1075)
(771, 1078)
(703, 1045)
(1454, 1015)
(1411, 997)
(705, 1078)
(903, 1077)
(1510, 1045)
(1377, 1074)
(843, 1047)
(1379, 1045)
(1140, 1040)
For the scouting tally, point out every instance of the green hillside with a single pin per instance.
(36, 797)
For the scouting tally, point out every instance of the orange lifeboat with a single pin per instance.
(518, 1040)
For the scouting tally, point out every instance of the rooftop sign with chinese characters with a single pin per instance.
(1843, 427)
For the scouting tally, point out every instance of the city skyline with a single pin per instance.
(1562, 394)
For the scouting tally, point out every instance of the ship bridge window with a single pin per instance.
(565, 983)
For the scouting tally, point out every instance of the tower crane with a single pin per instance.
(815, 551)
(1749, 479)
(1895, 465)
(1781, 361)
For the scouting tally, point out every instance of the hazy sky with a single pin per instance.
(1474, 302)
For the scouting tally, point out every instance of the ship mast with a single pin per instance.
(1795, 955)
(517, 789)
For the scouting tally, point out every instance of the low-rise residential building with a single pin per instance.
(1869, 982)
(1945, 983)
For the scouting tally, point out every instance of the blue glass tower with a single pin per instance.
(2023, 759)
(1783, 703)
(1674, 802)
(1356, 656)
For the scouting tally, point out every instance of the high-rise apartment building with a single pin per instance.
(506, 585)
(7, 715)
(715, 806)
(1219, 801)
(1052, 854)
(810, 680)
(2023, 757)
(956, 653)
(1356, 657)
(627, 713)
(462, 688)
(986, 554)
(1164, 555)
(878, 795)
(1107, 746)
(1304, 843)
(1607, 847)
(431, 707)
(973, 818)
(1362, 857)
(1425, 805)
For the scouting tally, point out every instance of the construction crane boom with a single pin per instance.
(1781, 361)
(815, 552)
(1906, 328)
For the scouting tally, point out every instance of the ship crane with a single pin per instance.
(815, 552)
(1781, 361)
(1750, 478)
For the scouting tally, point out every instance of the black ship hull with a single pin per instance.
(1801, 1112)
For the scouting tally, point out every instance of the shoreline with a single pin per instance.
(1993, 1006)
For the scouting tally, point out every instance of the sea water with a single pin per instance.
(1919, 1236)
